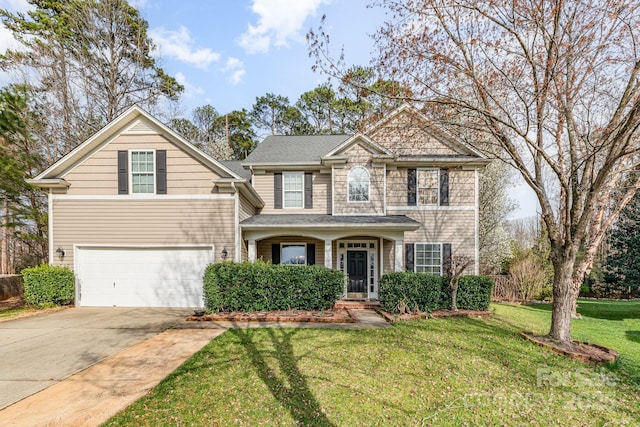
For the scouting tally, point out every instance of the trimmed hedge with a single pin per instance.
(474, 293)
(261, 286)
(429, 292)
(414, 289)
(48, 286)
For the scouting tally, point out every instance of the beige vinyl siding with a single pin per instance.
(359, 156)
(461, 187)
(247, 210)
(388, 256)
(404, 135)
(263, 184)
(264, 246)
(444, 226)
(98, 174)
(142, 222)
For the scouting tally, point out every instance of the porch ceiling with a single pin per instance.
(314, 221)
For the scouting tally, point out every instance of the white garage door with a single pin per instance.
(141, 277)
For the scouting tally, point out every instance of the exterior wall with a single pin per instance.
(142, 222)
(263, 247)
(359, 156)
(98, 174)
(444, 226)
(247, 210)
(388, 256)
(461, 187)
(404, 134)
(263, 184)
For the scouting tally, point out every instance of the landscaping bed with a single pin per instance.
(390, 317)
(584, 351)
(341, 315)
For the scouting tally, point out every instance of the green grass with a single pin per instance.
(430, 372)
(7, 313)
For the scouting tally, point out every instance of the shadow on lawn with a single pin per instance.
(633, 336)
(291, 391)
(606, 310)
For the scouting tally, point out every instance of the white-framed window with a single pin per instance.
(358, 184)
(293, 189)
(428, 186)
(142, 172)
(293, 253)
(428, 258)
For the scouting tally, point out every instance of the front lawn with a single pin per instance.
(427, 372)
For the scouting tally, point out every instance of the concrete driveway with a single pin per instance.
(39, 351)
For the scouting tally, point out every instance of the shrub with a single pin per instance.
(430, 292)
(474, 293)
(48, 286)
(260, 286)
(412, 289)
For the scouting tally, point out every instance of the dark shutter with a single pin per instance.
(411, 187)
(123, 172)
(308, 190)
(444, 187)
(277, 190)
(408, 256)
(161, 172)
(446, 258)
(311, 254)
(275, 253)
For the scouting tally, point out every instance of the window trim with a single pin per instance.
(415, 257)
(368, 185)
(284, 190)
(153, 172)
(437, 187)
(304, 244)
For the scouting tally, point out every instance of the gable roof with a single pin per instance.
(113, 128)
(438, 135)
(236, 167)
(293, 150)
(360, 138)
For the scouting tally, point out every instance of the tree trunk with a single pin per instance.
(4, 251)
(454, 296)
(563, 297)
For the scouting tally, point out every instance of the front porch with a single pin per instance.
(363, 248)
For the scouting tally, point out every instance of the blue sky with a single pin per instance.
(228, 52)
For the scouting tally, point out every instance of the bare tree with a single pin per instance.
(459, 263)
(552, 86)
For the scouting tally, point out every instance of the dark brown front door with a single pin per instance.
(357, 271)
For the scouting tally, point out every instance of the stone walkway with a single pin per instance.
(94, 395)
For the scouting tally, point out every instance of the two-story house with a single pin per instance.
(138, 212)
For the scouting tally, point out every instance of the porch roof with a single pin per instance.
(388, 222)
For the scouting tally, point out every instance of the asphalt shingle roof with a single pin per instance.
(236, 167)
(294, 149)
(275, 220)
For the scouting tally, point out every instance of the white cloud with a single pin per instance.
(236, 68)
(279, 22)
(189, 90)
(179, 45)
(15, 5)
(6, 36)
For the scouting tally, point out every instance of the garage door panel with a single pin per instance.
(142, 277)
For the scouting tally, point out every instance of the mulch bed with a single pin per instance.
(342, 315)
(583, 351)
(434, 314)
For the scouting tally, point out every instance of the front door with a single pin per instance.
(357, 271)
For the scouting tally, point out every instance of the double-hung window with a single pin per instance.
(428, 258)
(428, 186)
(358, 184)
(142, 172)
(293, 188)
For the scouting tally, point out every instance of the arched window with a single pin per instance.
(358, 184)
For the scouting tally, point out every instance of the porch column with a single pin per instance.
(252, 250)
(398, 255)
(328, 259)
